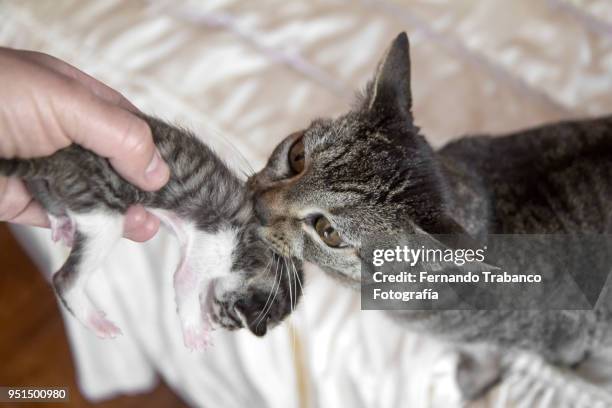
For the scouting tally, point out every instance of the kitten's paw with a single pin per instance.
(476, 376)
(101, 326)
(194, 322)
(223, 313)
(196, 337)
(62, 229)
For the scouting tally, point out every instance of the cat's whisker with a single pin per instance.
(246, 174)
(296, 278)
(291, 327)
(295, 288)
(275, 287)
(262, 313)
(224, 139)
(278, 286)
(297, 275)
(268, 269)
(290, 284)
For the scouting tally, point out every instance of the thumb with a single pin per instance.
(114, 133)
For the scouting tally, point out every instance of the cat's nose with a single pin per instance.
(255, 315)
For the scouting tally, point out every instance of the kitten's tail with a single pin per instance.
(22, 168)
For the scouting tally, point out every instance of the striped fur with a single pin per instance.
(371, 172)
(203, 198)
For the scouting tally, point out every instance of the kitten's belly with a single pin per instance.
(207, 251)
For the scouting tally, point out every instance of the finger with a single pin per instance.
(114, 133)
(33, 215)
(140, 225)
(98, 88)
(17, 205)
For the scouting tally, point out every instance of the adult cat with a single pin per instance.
(328, 187)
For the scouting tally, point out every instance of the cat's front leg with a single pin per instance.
(189, 278)
(479, 368)
(220, 301)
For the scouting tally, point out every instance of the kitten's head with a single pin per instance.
(329, 187)
(261, 289)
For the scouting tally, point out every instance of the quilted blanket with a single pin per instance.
(244, 74)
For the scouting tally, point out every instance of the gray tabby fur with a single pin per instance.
(202, 190)
(371, 171)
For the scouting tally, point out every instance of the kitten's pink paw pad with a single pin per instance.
(103, 327)
(62, 229)
(196, 338)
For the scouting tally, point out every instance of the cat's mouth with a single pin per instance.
(235, 309)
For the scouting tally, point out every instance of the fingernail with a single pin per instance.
(157, 171)
(152, 226)
(155, 162)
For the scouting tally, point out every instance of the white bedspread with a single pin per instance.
(245, 74)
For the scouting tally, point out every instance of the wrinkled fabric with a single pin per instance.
(244, 74)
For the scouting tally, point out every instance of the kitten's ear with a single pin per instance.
(389, 92)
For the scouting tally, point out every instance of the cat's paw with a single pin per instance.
(195, 322)
(196, 337)
(62, 229)
(223, 313)
(219, 302)
(84, 310)
(476, 375)
(101, 326)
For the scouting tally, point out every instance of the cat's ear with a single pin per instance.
(449, 232)
(389, 92)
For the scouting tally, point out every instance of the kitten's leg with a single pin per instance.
(96, 234)
(478, 370)
(220, 300)
(62, 229)
(188, 281)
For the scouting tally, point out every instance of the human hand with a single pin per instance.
(47, 104)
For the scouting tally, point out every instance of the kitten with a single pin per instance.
(225, 271)
(328, 187)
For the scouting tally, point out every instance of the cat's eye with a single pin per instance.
(296, 156)
(328, 233)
